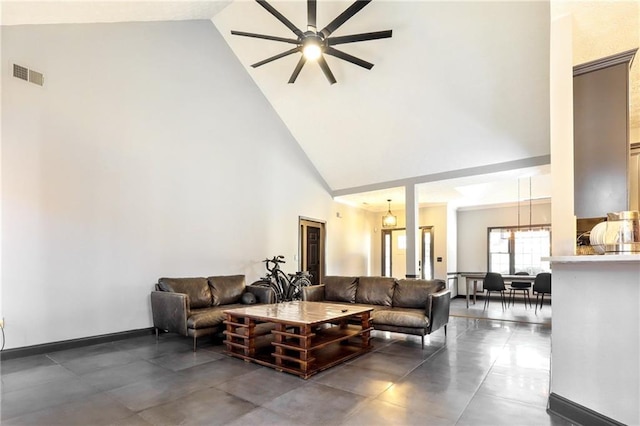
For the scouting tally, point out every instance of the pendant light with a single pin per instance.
(530, 210)
(518, 204)
(389, 220)
(529, 203)
(512, 233)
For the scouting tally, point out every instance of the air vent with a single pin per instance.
(26, 74)
(36, 78)
(21, 72)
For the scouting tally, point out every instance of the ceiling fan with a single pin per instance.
(313, 44)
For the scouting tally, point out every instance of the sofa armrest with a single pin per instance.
(437, 309)
(313, 293)
(170, 311)
(263, 294)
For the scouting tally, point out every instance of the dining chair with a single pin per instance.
(522, 286)
(493, 282)
(542, 286)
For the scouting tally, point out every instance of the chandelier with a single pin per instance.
(389, 220)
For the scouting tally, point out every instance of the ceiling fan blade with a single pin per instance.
(278, 56)
(326, 70)
(298, 68)
(344, 16)
(280, 17)
(311, 14)
(359, 37)
(265, 37)
(349, 58)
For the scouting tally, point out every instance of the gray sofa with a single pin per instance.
(417, 307)
(195, 306)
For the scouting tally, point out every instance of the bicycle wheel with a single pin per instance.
(284, 284)
(279, 286)
(262, 282)
(297, 283)
(302, 281)
(277, 292)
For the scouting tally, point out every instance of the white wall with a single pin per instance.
(149, 152)
(351, 252)
(452, 246)
(473, 224)
(376, 241)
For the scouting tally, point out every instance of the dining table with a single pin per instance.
(475, 277)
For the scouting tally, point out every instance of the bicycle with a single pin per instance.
(286, 287)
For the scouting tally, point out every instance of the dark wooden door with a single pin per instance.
(313, 253)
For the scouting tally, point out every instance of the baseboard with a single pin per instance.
(577, 413)
(73, 343)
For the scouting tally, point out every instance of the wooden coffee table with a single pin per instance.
(301, 338)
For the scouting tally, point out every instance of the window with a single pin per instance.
(499, 250)
(427, 253)
(386, 253)
(516, 249)
(394, 253)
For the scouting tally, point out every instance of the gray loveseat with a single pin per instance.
(417, 307)
(195, 306)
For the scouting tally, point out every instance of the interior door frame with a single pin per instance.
(303, 223)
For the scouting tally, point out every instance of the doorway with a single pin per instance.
(312, 248)
(394, 253)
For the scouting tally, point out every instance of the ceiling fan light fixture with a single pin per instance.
(311, 50)
(314, 43)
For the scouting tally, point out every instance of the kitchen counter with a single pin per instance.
(605, 258)
(595, 336)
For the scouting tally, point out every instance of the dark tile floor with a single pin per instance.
(517, 311)
(485, 373)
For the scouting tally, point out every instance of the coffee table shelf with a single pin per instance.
(303, 338)
(321, 338)
(322, 359)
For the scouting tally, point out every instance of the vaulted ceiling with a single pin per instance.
(461, 89)
(459, 85)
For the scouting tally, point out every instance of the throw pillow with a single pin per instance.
(248, 298)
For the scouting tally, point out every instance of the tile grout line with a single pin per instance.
(487, 374)
(371, 398)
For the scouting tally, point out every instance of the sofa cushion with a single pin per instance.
(375, 290)
(362, 305)
(208, 317)
(375, 308)
(401, 317)
(414, 293)
(226, 289)
(340, 289)
(196, 289)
